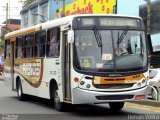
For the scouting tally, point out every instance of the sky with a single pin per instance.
(14, 8)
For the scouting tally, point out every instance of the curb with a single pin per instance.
(148, 103)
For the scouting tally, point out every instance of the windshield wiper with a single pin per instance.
(122, 36)
(97, 36)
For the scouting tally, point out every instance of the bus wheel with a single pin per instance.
(58, 105)
(21, 95)
(116, 106)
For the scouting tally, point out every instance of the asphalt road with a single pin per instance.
(40, 109)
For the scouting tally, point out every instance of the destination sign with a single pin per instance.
(88, 21)
(109, 22)
(119, 22)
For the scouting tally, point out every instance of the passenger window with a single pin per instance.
(53, 41)
(40, 44)
(19, 47)
(29, 45)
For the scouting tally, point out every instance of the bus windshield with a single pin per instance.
(110, 50)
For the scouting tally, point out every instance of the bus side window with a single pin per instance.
(40, 44)
(19, 47)
(53, 40)
(28, 46)
(7, 49)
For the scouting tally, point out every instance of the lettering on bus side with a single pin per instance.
(31, 69)
(52, 72)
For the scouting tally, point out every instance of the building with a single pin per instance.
(38, 11)
(13, 24)
(44, 10)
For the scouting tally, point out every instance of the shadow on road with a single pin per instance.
(78, 110)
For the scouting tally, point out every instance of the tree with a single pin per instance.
(1, 46)
(24, 2)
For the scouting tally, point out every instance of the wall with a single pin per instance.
(14, 27)
(90, 7)
(54, 6)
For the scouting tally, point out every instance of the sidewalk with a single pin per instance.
(1, 78)
(148, 103)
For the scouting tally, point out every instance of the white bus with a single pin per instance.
(79, 59)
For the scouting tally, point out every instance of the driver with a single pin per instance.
(121, 49)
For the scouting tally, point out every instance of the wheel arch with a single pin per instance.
(156, 87)
(52, 86)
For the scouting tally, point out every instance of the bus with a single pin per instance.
(79, 59)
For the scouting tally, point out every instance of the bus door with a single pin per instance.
(67, 78)
(12, 63)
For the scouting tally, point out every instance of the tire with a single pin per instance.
(58, 105)
(21, 95)
(116, 106)
(154, 94)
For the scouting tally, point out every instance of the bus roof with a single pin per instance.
(55, 23)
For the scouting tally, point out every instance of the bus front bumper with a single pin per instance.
(81, 96)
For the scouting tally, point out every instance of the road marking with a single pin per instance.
(142, 107)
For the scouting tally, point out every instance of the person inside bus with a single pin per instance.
(129, 49)
(121, 49)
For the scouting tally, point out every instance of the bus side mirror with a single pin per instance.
(70, 36)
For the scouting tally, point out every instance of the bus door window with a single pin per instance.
(40, 44)
(29, 44)
(53, 41)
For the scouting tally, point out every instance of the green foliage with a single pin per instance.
(1, 46)
(24, 2)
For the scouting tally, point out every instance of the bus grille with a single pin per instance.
(114, 97)
(114, 86)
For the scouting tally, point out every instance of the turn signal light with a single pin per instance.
(139, 97)
(76, 79)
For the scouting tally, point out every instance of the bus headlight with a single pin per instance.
(143, 81)
(139, 84)
(88, 86)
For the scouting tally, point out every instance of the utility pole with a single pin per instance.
(7, 18)
(9, 22)
(148, 16)
(63, 8)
